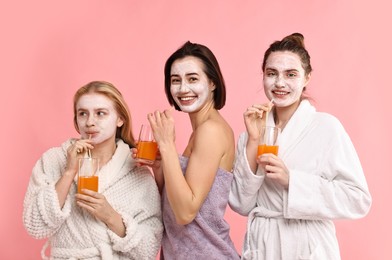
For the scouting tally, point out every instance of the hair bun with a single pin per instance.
(296, 38)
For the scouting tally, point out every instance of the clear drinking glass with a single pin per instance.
(147, 148)
(88, 174)
(268, 140)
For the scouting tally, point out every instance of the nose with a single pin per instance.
(280, 83)
(184, 87)
(90, 120)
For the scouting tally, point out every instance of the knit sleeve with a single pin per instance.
(42, 215)
(142, 218)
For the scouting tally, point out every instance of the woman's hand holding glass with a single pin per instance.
(156, 165)
(274, 168)
(97, 205)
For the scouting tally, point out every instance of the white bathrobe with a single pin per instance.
(73, 232)
(326, 182)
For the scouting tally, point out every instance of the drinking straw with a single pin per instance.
(88, 150)
(266, 114)
(266, 120)
(89, 167)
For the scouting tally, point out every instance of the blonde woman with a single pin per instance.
(123, 219)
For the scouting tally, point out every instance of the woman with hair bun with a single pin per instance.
(292, 198)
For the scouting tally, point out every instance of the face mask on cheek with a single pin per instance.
(293, 88)
(199, 92)
(96, 117)
(104, 130)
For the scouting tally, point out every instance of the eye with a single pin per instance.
(291, 74)
(270, 74)
(82, 114)
(101, 113)
(193, 79)
(175, 81)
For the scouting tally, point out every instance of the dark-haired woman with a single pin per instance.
(291, 199)
(195, 185)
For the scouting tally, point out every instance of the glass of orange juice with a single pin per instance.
(147, 148)
(268, 140)
(88, 174)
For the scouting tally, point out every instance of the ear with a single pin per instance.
(307, 79)
(120, 122)
(212, 86)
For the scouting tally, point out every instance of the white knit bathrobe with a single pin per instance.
(74, 233)
(326, 182)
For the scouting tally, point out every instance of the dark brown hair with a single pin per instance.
(295, 44)
(211, 69)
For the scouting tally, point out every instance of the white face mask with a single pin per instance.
(284, 78)
(190, 87)
(96, 117)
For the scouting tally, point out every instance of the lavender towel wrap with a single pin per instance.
(207, 236)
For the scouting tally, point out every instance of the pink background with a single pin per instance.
(50, 48)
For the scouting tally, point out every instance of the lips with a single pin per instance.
(188, 100)
(280, 93)
(92, 134)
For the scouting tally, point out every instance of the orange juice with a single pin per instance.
(88, 182)
(147, 150)
(262, 149)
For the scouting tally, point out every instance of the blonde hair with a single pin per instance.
(110, 91)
